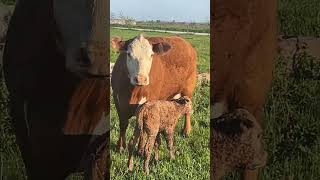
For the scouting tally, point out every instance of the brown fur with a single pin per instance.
(172, 73)
(87, 105)
(153, 118)
(243, 50)
(235, 143)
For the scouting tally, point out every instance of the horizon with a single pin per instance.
(197, 11)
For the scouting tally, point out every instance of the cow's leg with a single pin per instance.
(132, 144)
(188, 92)
(122, 137)
(124, 116)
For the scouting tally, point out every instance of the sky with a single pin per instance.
(164, 10)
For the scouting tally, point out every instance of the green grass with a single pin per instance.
(299, 17)
(191, 27)
(200, 43)
(192, 161)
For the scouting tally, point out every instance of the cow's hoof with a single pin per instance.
(120, 149)
(185, 133)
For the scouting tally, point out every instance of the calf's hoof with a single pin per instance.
(141, 152)
(146, 171)
(130, 166)
(172, 157)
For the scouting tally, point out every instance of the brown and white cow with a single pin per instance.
(243, 52)
(154, 68)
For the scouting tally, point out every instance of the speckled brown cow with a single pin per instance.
(153, 118)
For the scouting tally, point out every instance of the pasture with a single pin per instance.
(192, 153)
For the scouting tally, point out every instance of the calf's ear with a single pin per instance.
(161, 48)
(117, 44)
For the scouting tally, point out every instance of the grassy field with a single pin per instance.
(187, 27)
(192, 159)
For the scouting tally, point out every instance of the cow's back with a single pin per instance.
(178, 68)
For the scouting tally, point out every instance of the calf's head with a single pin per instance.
(82, 35)
(246, 138)
(139, 56)
(184, 103)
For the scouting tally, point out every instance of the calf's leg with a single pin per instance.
(157, 146)
(170, 135)
(187, 125)
(132, 143)
(148, 151)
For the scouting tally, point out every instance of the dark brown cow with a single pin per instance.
(243, 52)
(57, 113)
(154, 68)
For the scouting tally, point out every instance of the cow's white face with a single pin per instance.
(139, 61)
(139, 56)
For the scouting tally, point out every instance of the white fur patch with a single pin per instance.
(103, 126)
(217, 110)
(177, 96)
(139, 59)
(142, 100)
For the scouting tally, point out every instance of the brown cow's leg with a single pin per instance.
(122, 136)
(132, 144)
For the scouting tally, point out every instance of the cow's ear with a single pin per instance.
(118, 44)
(161, 48)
